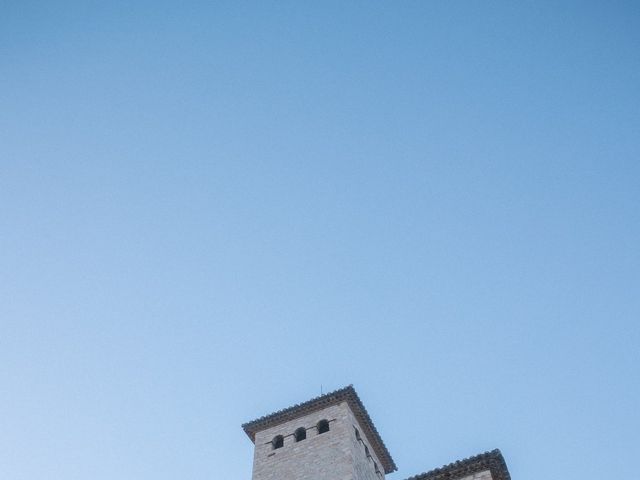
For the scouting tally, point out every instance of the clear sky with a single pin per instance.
(210, 209)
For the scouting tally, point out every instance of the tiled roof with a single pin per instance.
(492, 461)
(346, 394)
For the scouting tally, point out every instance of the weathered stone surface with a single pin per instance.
(345, 395)
(333, 455)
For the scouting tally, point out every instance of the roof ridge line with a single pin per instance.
(490, 460)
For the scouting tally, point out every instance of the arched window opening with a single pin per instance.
(323, 426)
(357, 433)
(277, 442)
(300, 434)
(366, 451)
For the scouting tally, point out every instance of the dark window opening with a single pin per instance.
(366, 451)
(277, 442)
(375, 467)
(300, 434)
(323, 426)
(357, 433)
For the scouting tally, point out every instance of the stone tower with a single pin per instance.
(330, 437)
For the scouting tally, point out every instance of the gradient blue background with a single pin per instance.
(209, 210)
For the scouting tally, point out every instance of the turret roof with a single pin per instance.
(346, 394)
(492, 461)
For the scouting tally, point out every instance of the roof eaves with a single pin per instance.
(492, 461)
(347, 394)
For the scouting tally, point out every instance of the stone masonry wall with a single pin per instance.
(486, 475)
(364, 466)
(326, 456)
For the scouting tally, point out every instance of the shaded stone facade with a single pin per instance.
(332, 437)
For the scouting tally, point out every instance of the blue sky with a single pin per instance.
(210, 209)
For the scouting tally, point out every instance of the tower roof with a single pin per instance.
(346, 394)
(492, 461)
